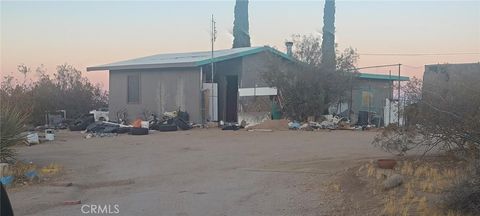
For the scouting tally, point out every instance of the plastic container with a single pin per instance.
(49, 134)
(7, 180)
(386, 163)
(32, 138)
(145, 124)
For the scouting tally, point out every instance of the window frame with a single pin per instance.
(138, 101)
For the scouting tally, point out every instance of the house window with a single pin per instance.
(367, 98)
(133, 89)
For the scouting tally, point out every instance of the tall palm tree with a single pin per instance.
(241, 36)
(328, 38)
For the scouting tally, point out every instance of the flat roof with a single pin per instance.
(190, 59)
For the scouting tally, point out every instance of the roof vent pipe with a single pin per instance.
(289, 46)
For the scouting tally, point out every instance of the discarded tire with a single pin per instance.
(82, 123)
(139, 131)
(122, 130)
(168, 127)
(76, 128)
(182, 124)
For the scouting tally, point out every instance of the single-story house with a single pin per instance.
(169, 82)
(183, 81)
(371, 97)
(440, 78)
(450, 81)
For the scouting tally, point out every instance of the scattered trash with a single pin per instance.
(171, 121)
(51, 169)
(82, 123)
(31, 175)
(49, 134)
(145, 124)
(230, 126)
(294, 125)
(306, 127)
(57, 119)
(102, 127)
(211, 124)
(32, 138)
(182, 124)
(276, 125)
(7, 180)
(88, 136)
(243, 124)
(100, 115)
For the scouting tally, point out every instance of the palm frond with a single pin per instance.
(11, 127)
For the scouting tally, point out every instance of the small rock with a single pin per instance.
(72, 202)
(392, 181)
(61, 184)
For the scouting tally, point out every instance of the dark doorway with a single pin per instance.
(232, 94)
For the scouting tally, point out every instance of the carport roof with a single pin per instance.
(382, 77)
(191, 59)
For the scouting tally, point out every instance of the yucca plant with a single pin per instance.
(11, 127)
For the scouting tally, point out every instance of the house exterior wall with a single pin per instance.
(161, 90)
(249, 70)
(439, 79)
(253, 67)
(255, 109)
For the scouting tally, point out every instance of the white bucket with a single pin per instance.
(49, 134)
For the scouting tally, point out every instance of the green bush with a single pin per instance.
(66, 89)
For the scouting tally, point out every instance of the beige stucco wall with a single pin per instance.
(161, 90)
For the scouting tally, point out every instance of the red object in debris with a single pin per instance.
(72, 202)
(137, 123)
(386, 163)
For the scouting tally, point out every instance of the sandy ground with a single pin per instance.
(196, 172)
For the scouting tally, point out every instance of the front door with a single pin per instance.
(232, 95)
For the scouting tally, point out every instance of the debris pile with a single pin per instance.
(329, 122)
(276, 125)
(169, 121)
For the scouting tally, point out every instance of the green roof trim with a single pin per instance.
(242, 54)
(189, 59)
(382, 77)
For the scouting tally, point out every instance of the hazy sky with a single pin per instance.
(87, 33)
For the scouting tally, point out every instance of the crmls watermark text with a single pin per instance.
(100, 209)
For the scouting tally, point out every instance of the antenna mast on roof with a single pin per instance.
(213, 39)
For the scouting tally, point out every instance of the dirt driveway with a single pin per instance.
(196, 172)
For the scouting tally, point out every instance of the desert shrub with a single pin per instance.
(11, 127)
(464, 196)
(66, 90)
(443, 112)
(308, 88)
(396, 140)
